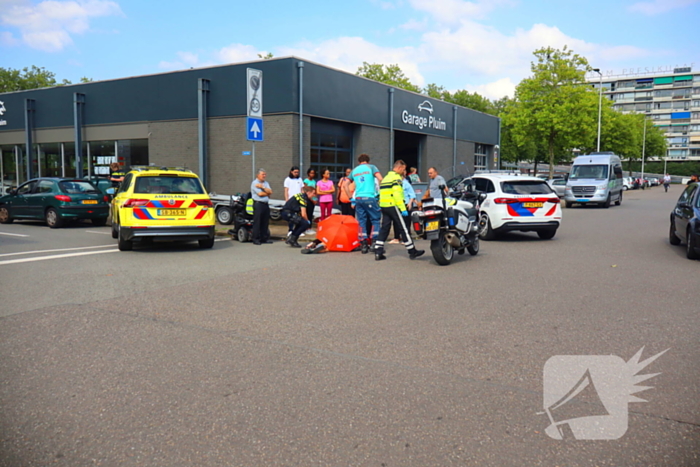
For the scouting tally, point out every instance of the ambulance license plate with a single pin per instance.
(172, 212)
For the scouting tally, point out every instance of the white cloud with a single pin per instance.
(7, 39)
(657, 7)
(184, 60)
(238, 53)
(453, 12)
(48, 25)
(348, 53)
(495, 90)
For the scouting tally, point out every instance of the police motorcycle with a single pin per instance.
(451, 224)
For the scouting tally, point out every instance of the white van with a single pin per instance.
(595, 178)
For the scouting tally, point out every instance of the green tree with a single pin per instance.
(387, 74)
(473, 101)
(554, 106)
(266, 56)
(30, 78)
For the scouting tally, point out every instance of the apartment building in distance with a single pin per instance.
(669, 96)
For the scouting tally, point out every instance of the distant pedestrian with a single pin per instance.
(436, 181)
(344, 198)
(693, 179)
(409, 198)
(365, 200)
(667, 182)
(413, 175)
(324, 191)
(310, 180)
(292, 186)
(293, 183)
(294, 212)
(260, 192)
(391, 200)
(116, 175)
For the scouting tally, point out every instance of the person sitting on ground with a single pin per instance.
(294, 211)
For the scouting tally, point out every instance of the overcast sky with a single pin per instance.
(479, 46)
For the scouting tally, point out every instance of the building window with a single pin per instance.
(131, 152)
(11, 168)
(331, 148)
(50, 160)
(480, 157)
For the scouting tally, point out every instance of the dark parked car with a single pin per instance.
(685, 221)
(55, 200)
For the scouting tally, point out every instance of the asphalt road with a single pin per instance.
(256, 355)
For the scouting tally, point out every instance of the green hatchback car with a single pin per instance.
(55, 200)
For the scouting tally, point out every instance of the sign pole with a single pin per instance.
(253, 164)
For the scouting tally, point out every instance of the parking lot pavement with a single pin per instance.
(257, 355)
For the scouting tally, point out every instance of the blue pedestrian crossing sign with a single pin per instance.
(255, 129)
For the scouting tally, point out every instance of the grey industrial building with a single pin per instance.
(314, 116)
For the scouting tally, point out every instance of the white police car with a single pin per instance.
(517, 203)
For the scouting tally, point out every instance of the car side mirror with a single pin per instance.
(482, 196)
(13, 192)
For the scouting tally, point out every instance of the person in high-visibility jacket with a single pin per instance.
(391, 203)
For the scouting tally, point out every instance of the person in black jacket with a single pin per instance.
(295, 211)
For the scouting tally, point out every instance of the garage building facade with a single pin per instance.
(314, 116)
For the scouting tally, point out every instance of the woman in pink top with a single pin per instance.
(325, 190)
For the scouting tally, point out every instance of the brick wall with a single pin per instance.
(175, 143)
(373, 142)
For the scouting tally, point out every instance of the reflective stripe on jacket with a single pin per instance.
(391, 191)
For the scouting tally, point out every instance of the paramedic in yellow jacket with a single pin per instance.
(393, 209)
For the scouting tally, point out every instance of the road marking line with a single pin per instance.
(42, 258)
(101, 233)
(13, 235)
(51, 251)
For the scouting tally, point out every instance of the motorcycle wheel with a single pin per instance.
(473, 249)
(442, 250)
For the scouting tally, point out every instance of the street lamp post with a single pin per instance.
(644, 145)
(600, 103)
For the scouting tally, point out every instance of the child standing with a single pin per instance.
(325, 190)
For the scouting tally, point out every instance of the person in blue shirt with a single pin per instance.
(365, 199)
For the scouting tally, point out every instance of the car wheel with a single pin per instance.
(275, 214)
(473, 249)
(5, 217)
(207, 243)
(242, 234)
(568, 204)
(690, 245)
(672, 237)
(115, 232)
(224, 215)
(125, 245)
(546, 234)
(53, 219)
(99, 222)
(606, 204)
(485, 230)
(624, 188)
(619, 200)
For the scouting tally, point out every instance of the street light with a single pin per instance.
(600, 102)
(644, 146)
